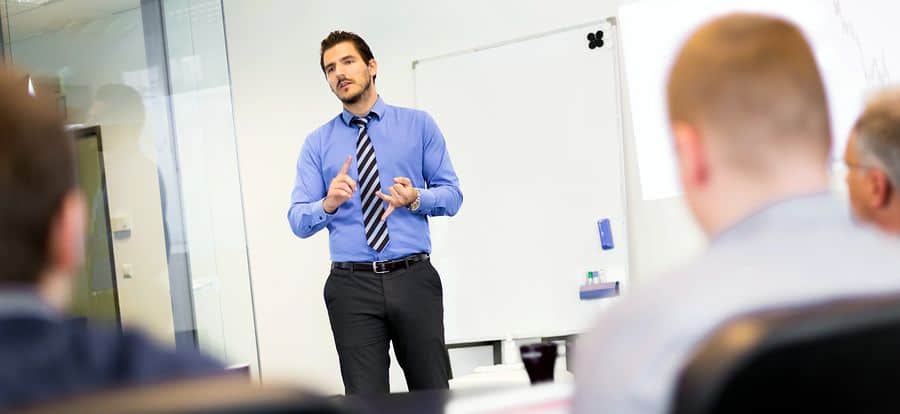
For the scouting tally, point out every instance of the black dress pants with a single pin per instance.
(369, 310)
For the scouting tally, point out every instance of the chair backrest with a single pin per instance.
(842, 355)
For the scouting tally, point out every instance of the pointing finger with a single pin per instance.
(346, 166)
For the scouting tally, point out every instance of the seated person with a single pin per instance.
(873, 164)
(750, 119)
(42, 232)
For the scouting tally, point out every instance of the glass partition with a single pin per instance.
(152, 77)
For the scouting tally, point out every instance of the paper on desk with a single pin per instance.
(552, 398)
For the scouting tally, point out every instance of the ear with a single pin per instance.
(878, 187)
(373, 67)
(693, 162)
(67, 235)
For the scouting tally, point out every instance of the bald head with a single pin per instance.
(750, 83)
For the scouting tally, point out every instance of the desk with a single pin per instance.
(233, 394)
(545, 398)
(415, 402)
(496, 343)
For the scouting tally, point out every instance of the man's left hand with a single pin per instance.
(402, 194)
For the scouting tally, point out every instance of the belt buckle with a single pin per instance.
(380, 268)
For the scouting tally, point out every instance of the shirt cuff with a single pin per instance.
(427, 200)
(319, 215)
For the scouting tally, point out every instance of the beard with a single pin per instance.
(352, 99)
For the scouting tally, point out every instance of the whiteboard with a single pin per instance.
(853, 42)
(534, 132)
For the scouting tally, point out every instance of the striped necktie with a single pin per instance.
(372, 208)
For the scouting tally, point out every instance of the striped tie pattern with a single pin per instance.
(372, 208)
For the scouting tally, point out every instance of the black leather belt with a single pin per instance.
(386, 266)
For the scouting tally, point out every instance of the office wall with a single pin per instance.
(280, 96)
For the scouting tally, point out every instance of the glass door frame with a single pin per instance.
(94, 132)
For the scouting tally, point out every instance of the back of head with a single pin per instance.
(877, 133)
(750, 83)
(37, 172)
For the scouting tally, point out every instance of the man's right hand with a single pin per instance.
(340, 190)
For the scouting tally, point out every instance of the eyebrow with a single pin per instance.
(330, 64)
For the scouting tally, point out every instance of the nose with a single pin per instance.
(339, 72)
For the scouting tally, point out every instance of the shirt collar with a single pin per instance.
(377, 110)
(814, 207)
(24, 302)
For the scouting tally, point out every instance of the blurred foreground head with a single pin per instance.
(42, 219)
(748, 111)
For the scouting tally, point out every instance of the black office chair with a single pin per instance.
(841, 356)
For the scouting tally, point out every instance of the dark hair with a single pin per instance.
(340, 36)
(37, 171)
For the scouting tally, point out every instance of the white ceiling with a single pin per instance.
(26, 18)
(15, 7)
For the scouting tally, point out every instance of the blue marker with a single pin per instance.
(606, 238)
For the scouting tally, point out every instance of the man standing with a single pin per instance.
(873, 163)
(372, 175)
(749, 116)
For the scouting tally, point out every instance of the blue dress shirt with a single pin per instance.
(407, 144)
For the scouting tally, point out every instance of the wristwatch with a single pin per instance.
(417, 202)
